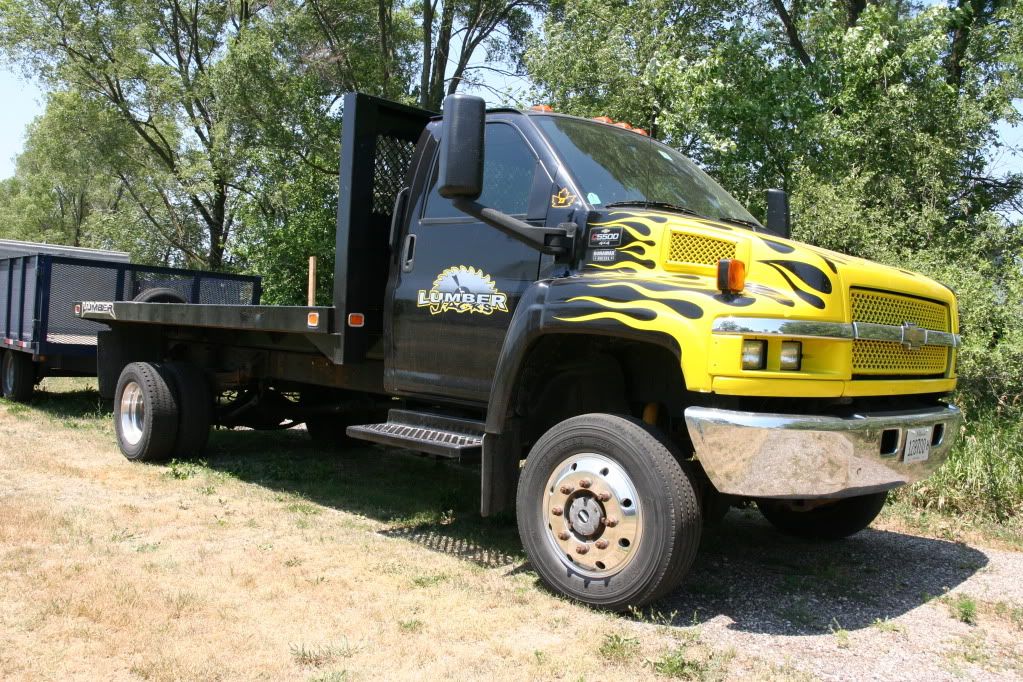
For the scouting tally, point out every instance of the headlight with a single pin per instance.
(791, 355)
(754, 354)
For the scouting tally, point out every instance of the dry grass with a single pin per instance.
(268, 561)
(272, 560)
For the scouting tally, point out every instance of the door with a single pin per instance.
(459, 280)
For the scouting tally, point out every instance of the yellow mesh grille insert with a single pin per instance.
(884, 308)
(697, 249)
(885, 357)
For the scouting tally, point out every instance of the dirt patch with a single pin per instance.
(273, 560)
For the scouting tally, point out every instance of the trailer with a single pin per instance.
(40, 333)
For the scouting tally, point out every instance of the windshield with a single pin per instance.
(613, 165)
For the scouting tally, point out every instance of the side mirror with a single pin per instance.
(779, 220)
(461, 147)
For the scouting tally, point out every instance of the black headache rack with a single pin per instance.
(38, 294)
(378, 145)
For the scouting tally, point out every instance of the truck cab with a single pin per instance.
(621, 345)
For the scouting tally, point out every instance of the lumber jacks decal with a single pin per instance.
(463, 289)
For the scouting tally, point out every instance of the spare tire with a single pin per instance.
(160, 295)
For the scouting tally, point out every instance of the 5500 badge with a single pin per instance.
(463, 289)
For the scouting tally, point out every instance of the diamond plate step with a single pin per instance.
(430, 433)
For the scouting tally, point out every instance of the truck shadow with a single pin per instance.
(766, 582)
(747, 572)
(433, 503)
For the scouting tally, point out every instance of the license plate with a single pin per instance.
(918, 445)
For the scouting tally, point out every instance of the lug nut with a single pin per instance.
(563, 535)
(566, 490)
(557, 511)
(582, 549)
(585, 483)
(611, 522)
(604, 497)
(601, 544)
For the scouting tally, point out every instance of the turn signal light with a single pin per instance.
(731, 275)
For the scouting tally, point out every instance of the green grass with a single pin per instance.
(983, 476)
(963, 608)
(618, 648)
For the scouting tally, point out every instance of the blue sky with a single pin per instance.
(23, 101)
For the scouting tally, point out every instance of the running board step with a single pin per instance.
(434, 434)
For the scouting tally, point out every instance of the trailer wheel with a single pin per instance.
(145, 412)
(607, 514)
(18, 376)
(831, 521)
(159, 295)
(195, 403)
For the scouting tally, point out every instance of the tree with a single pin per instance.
(878, 117)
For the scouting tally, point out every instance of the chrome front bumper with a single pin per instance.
(752, 454)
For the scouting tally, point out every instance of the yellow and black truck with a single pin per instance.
(624, 348)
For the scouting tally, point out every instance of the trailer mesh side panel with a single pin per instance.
(71, 283)
(14, 329)
(211, 288)
(229, 291)
(390, 171)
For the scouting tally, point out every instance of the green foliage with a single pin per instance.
(983, 475)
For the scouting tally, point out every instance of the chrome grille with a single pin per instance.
(887, 358)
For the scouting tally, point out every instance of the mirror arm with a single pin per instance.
(551, 240)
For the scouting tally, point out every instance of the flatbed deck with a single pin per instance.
(264, 318)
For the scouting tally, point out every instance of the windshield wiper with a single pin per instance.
(756, 227)
(664, 205)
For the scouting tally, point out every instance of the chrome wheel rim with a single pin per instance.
(593, 515)
(133, 414)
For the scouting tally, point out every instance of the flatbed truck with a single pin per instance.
(622, 347)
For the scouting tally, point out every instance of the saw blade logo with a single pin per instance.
(463, 289)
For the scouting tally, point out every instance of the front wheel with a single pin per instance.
(607, 514)
(828, 521)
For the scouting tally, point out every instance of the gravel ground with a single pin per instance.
(879, 605)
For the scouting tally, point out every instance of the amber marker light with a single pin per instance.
(356, 320)
(541, 107)
(731, 275)
(604, 119)
(312, 320)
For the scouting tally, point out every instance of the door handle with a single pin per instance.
(408, 253)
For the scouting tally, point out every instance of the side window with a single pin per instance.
(507, 176)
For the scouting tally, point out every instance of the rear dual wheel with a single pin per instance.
(607, 513)
(162, 410)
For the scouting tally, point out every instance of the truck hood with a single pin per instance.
(785, 278)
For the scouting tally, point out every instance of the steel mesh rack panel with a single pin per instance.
(71, 280)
